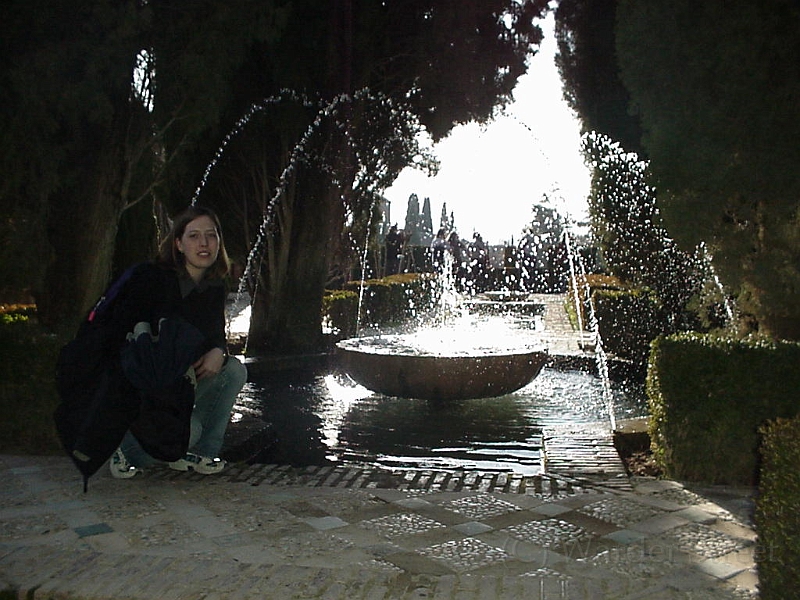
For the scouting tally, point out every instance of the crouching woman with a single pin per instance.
(187, 281)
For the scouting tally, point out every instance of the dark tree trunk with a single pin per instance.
(287, 318)
(81, 229)
(83, 250)
(287, 310)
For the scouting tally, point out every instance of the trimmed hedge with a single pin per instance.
(587, 286)
(778, 511)
(13, 313)
(628, 321)
(392, 300)
(340, 307)
(28, 396)
(709, 396)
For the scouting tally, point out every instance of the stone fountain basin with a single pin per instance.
(388, 365)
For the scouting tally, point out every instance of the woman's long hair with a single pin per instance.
(169, 255)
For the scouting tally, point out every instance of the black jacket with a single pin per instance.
(155, 292)
(99, 403)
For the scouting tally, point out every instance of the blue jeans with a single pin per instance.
(214, 398)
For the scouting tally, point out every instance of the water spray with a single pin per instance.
(577, 268)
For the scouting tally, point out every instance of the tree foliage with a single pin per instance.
(371, 76)
(80, 142)
(628, 226)
(72, 142)
(83, 140)
(717, 86)
(546, 223)
(586, 60)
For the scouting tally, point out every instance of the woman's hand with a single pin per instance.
(210, 363)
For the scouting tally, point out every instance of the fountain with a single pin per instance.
(474, 362)
(332, 418)
(396, 366)
(465, 355)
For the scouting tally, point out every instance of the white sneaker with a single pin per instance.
(199, 464)
(120, 467)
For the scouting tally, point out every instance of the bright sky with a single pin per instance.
(491, 177)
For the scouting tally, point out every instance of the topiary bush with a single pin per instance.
(339, 310)
(778, 511)
(628, 320)
(388, 301)
(28, 394)
(395, 299)
(708, 397)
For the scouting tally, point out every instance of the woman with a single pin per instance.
(187, 281)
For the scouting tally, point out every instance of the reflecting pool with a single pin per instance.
(317, 419)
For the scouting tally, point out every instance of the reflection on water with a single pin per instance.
(328, 419)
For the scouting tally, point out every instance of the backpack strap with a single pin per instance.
(105, 301)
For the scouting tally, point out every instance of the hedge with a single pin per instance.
(628, 321)
(339, 309)
(708, 398)
(388, 301)
(778, 511)
(28, 394)
(587, 285)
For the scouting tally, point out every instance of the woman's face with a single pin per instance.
(199, 245)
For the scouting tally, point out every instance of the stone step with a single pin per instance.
(548, 486)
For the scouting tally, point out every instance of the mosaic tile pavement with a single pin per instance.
(176, 535)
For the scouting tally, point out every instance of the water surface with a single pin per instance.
(327, 419)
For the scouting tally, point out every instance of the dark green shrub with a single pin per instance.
(13, 313)
(340, 308)
(778, 511)
(381, 302)
(709, 396)
(395, 299)
(628, 321)
(587, 285)
(28, 396)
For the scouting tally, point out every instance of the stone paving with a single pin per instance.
(583, 529)
(279, 532)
